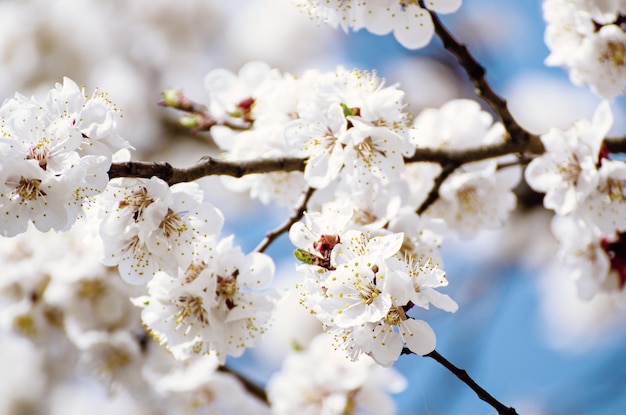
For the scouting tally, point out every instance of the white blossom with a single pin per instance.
(475, 197)
(317, 136)
(47, 176)
(196, 386)
(567, 172)
(586, 38)
(319, 380)
(410, 24)
(149, 226)
(212, 306)
(605, 207)
(363, 295)
(459, 124)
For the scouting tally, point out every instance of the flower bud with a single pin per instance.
(171, 98)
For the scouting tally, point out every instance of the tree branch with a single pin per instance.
(207, 166)
(465, 378)
(476, 73)
(434, 192)
(459, 157)
(615, 144)
(273, 235)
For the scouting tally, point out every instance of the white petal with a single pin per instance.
(418, 336)
(443, 6)
(414, 27)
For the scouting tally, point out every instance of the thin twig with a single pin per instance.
(465, 378)
(202, 119)
(434, 192)
(476, 73)
(254, 389)
(273, 235)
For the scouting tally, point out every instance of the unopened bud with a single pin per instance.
(171, 98)
(304, 256)
(190, 121)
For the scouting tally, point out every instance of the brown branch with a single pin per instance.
(273, 235)
(207, 166)
(465, 378)
(254, 389)
(476, 73)
(434, 192)
(615, 144)
(445, 156)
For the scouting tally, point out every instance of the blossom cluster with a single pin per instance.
(410, 23)
(361, 283)
(355, 134)
(65, 317)
(587, 37)
(54, 156)
(319, 380)
(202, 291)
(352, 129)
(586, 188)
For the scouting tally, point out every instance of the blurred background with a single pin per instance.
(521, 331)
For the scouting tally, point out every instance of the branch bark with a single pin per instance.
(476, 73)
(273, 235)
(207, 166)
(466, 378)
(433, 195)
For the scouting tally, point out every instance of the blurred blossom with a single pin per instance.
(24, 383)
(75, 398)
(320, 381)
(135, 50)
(572, 323)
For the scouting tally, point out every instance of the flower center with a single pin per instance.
(28, 189)
(173, 224)
(91, 289)
(114, 360)
(615, 53)
(615, 190)
(469, 199)
(395, 316)
(191, 309)
(368, 292)
(325, 244)
(194, 269)
(137, 201)
(40, 153)
(570, 170)
(227, 288)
